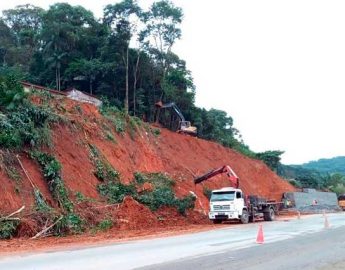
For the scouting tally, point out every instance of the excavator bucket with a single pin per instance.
(159, 104)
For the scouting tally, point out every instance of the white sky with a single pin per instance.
(277, 67)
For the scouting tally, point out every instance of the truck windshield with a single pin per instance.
(223, 196)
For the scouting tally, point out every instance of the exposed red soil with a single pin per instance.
(182, 157)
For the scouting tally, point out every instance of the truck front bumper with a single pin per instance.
(223, 215)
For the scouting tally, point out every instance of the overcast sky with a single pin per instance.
(277, 67)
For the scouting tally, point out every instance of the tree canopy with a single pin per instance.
(125, 57)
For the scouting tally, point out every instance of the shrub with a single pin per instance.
(207, 192)
(295, 183)
(162, 196)
(105, 225)
(188, 202)
(11, 92)
(28, 125)
(104, 171)
(8, 162)
(8, 228)
(41, 204)
(51, 172)
(74, 223)
(156, 131)
(109, 136)
(156, 179)
(116, 191)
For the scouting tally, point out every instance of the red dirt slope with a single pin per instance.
(180, 156)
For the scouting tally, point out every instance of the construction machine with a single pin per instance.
(230, 203)
(341, 200)
(184, 126)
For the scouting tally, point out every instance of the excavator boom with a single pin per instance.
(184, 126)
(225, 169)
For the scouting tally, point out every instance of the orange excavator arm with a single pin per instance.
(235, 181)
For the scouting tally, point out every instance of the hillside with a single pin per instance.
(89, 145)
(324, 165)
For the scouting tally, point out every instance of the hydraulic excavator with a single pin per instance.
(184, 126)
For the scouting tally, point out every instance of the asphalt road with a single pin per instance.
(293, 244)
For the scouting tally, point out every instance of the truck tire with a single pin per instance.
(217, 221)
(269, 215)
(244, 217)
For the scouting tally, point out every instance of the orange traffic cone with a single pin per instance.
(260, 237)
(326, 222)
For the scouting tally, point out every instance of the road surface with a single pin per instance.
(289, 244)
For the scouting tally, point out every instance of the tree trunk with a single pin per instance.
(57, 78)
(135, 83)
(127, 86)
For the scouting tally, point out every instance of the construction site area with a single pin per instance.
(140, 159)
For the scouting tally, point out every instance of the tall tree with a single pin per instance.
(123, 19)
(162, 30)
(63, 29)
(25, 22)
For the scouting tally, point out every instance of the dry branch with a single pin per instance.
(12, 214)
(43, 233)
(26, 173)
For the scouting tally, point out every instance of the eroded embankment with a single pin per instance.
(130, 148)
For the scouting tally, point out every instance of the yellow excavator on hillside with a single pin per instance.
(184, 126)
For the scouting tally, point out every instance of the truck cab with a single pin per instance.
(226, 204)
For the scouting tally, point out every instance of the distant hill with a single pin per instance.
(331, 165)
(326, 174)
(295, 171)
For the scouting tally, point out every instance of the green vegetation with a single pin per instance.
(207, 192)
(52, 173)
(156, 132)
(303, 177)
(53, 47)
(41, 204)
(162, 193)
(104, 171)
(116, 191)
(105, 225)
(158, 180)
(8, 228)
(9, 163)
(21, 122)
(271, 158)
(331, 165)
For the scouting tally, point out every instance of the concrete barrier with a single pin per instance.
(310, 200)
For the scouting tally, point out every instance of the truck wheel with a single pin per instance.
(269, 216)
(217, 221)
(244, 217)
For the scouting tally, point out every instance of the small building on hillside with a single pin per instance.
(72, 93)
(83, 97)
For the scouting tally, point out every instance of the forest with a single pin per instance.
(126, 58)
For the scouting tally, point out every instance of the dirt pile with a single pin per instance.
(138, 150)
